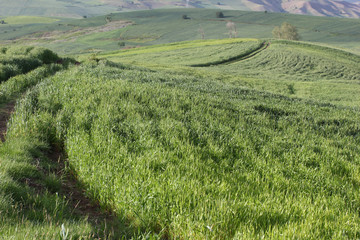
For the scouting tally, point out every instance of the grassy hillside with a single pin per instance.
(165, 26)
(282, 67)
(191, 152)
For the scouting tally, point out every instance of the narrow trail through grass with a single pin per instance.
(81, 204)
(57, 181)
(5, 112)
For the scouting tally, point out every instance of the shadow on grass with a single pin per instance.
(37, 189)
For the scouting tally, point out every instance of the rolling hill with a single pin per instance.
(140, 28)
(81, 8)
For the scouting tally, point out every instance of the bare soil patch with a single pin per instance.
(5, 112)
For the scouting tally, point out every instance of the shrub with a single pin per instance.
(45, 55)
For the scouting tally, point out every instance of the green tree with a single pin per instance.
(286, 31)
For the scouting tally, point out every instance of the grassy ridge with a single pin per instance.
(198, 52)
(192, 157)
(292, 61)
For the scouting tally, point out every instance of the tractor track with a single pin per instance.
(5, 113)
(71, 189)
(235, 59)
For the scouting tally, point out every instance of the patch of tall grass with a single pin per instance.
(179, 156)
(19, 60)
(33, 201)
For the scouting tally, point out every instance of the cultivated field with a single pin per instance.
(282, 67)
(185, 141)
(73, 36)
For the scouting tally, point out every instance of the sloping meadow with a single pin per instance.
(177, 156)
(295, 69)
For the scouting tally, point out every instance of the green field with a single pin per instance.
(158, 134)
(287, 68)
(215, 139)
(167, 26)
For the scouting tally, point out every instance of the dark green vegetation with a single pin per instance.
(195, 152)
(166, 26)
(19, 60)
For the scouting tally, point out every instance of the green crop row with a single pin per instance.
(295, 69)
(34, 189)
(206, 52)
(300, 62)
(179, 156)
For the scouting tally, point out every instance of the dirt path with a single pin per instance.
(262, 47)
(80, 203)
(5, 112)
(105, 223)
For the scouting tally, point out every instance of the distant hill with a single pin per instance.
(150, 27)
(313, 7)
(81, 8)
(54, 8)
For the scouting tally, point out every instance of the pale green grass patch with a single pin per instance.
(29, 20)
